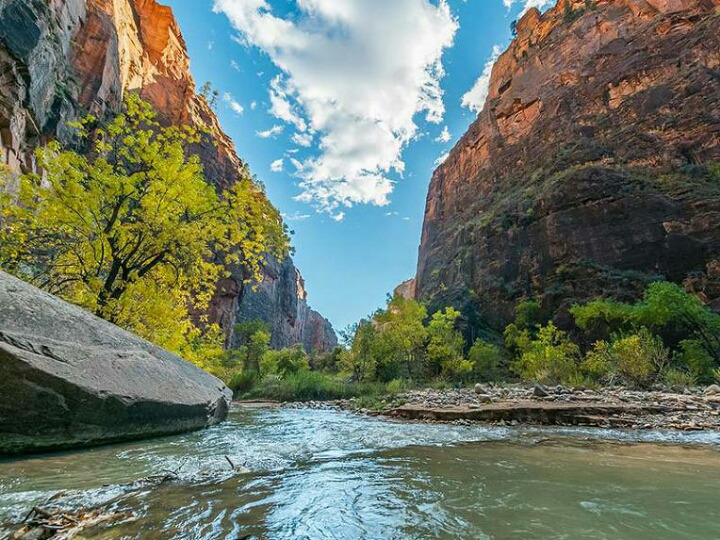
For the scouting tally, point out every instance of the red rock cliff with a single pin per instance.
(592, 168)
(63, 58)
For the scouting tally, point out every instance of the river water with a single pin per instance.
(311, 474)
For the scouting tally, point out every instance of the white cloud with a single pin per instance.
(235, 66)
(439, 161)
(233, 104)
(253, 105)
(527, 4)
(277, 165)
(272, 132)
(475, 98)
(303, 139)
(444, 136)
(355, 72)
(339, 216)
(297, 216)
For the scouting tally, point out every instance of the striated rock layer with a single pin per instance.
(592, 169)
(69, 379)
(64, 58)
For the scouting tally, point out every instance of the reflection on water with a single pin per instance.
(321, 474)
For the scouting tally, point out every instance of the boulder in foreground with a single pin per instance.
(70, 379)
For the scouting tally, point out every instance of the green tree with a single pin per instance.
(400, 338)
(360, 361)
(549, 358)
(666, 309)
(284, 362)
(131, 230)
(486, 360)
(445, 346)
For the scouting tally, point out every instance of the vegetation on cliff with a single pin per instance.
(130, 229)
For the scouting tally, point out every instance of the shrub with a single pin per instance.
(284, 362)
(242, 382)
(676, 378)
(635, 359)
(693, 356)
(551, 358)
(666, 309)
(486, 359)
(398, 386)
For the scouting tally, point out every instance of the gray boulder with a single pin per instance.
(69, 379)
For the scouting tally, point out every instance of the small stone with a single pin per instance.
(540, 391)
(484, 398)
(712, 390)
(479, 389)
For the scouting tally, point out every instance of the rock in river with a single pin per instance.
(69, 379)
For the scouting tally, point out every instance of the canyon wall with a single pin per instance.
(593, 168)
(61, 59)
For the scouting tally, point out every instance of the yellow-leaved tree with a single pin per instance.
(131, 230)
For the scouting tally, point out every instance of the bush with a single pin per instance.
(486, 359)
(551, 358)
(284, 362)
(693, 356)
(634, 359)
(675, 378)
(397, 386)
(242, 382)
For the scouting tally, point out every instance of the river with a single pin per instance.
(315, 474)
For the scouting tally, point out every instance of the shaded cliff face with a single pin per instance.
(64, 58)
(592, 168)
(281, 302)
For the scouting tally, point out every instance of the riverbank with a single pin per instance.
(689, 410)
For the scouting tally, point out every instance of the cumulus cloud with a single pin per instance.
(272, 132)
(474, 99)
(233, 104)
(277, 165)
(444, 136)
(303, 139)
(353, 76)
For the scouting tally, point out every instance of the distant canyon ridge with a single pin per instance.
(593, 168)
(62, 59)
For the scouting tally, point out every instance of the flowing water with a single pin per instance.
(324, 474)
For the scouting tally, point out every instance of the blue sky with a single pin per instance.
(342, 108)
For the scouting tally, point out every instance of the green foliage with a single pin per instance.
(360, 361)
(486, 359)
(549, 358)
(400, 336)
(132, 231)
(634, 359)
(678, 379)
(694, 357)
(666, 309)
(445, 346)
(285, 362)
(242, 382)
(398, 386)
(310, 385)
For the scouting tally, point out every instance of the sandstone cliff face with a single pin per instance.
(63, 58)
(592, 169)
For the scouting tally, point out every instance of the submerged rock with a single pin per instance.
(69, 379)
